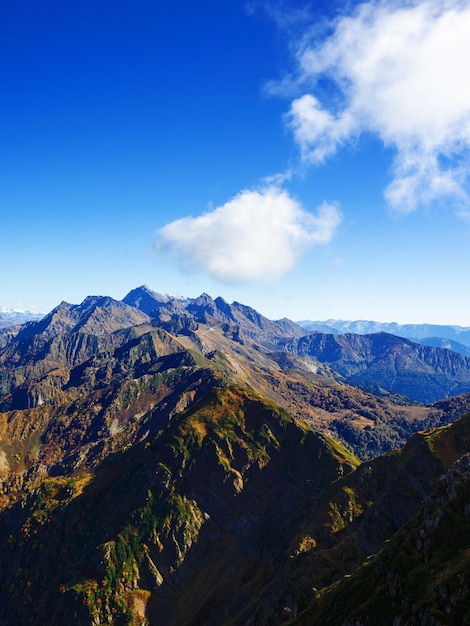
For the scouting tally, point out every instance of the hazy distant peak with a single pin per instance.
(12, 317)
(8, 310)
(416, 332)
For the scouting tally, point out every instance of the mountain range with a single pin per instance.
(381, 362)
(10, 317)
(455, 338)
(180, 461)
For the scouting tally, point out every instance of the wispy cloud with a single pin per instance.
(258, 235)
(399, 70)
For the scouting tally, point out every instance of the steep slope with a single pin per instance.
(385, 362)
(95, 315)
(67, 336)
(110, 401)
(421, 577)
(159, 531)
(234, 513)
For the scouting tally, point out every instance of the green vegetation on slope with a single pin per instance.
(114, 545)
(421, 577)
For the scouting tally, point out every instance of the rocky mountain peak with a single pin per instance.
(145, 299)
(202, 306)
(224, 307)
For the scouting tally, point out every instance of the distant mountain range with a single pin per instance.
(10, 317)
(381, 362)
(172, 461)
(455, 338)
(449, 344)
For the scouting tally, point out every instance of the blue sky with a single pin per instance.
(307, 159)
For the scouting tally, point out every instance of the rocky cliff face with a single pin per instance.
(61, 340)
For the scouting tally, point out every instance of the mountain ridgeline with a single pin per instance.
(177, 461)
(381, 362)
(456, 338)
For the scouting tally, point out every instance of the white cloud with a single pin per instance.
(256, 235)
(317, 131)
(402, 73)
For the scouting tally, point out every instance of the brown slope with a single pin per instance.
(368, 423)
(111, 400)
(69, 335)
